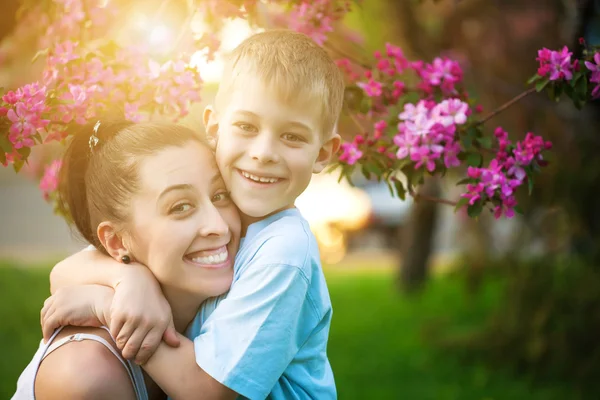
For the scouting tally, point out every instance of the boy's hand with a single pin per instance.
(140, 316)
(85, 305)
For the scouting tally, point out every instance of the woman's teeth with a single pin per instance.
(212, 259)
(259, 178)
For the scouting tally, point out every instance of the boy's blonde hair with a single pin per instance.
(292, 64)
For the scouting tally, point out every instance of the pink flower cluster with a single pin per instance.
(506, 172)
(315, 18)
(73, 17)
(595, 78)
(83, 85)
(49, 181)
(442, 73)
(385, 83)
(24, 108)
(427, 132)
(556, 64)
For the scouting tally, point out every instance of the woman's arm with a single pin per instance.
(176, 372)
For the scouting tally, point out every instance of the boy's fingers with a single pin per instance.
(148, 347)
(170, 336)
(48, 326)
(116, 325)
(134, 343)
(45, 308)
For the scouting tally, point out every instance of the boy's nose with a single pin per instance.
(263, 150)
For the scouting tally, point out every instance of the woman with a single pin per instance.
(145, 192)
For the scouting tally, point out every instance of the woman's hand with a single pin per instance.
(140, 316)
(84, 305)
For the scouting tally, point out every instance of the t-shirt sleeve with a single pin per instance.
(254, 333)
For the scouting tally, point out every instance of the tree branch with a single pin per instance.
(506, 105)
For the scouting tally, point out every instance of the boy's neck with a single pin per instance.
(248, 220)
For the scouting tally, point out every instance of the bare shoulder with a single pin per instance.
(81, 369)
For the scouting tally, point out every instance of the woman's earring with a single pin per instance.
(126, 259)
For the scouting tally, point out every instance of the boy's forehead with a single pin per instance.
(255, 97)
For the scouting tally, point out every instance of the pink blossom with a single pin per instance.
(556, 63)
(350, 153)
(595, 78)
(372, 88)
(23, 126)
(49, 181)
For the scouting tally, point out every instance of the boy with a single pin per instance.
(272, 126)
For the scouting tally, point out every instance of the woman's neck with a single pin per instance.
(184, 306)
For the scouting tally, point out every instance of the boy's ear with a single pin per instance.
(211, 126)
(112, 242)
(328, 149)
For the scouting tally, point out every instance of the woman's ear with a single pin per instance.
(112, 241)
(211, 126)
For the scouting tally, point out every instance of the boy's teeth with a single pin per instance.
(258, 178)
(212, 259)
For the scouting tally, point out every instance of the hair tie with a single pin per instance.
(94, 138)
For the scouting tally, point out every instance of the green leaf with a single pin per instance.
(539, 86)
(463, 201)
(18, 164)
(474, 160)
(529, 180)
(464, 181)
(474, 210)
(2, 157)
(581, 88)
(41, 53)
(391, 188)
(365, 172)
(558, 90)
(533, 79)
(24, 152)
(518, 210)
(485, 142)
(5, 144)
(470, 135)
(418, 176)
(400, 189)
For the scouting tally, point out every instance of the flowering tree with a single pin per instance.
(421, 121)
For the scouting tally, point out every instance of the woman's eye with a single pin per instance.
(246, 127)
(180, 208)
(220, 197)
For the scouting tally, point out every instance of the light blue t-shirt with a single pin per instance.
(268, 336)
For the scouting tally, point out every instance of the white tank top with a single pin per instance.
(26, 382)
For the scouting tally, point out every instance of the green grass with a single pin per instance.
(376, 346)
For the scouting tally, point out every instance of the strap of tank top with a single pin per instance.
(77, 337)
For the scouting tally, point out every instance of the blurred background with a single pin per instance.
(429, 304)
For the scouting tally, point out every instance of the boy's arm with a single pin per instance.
(84, 305)
(140, 316)
(90, 267)
(176, 372)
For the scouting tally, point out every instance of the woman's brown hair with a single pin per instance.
(97, 179)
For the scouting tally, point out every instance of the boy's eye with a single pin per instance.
(180, 208)
(246, 127)
(220, 197)
(293, 137)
